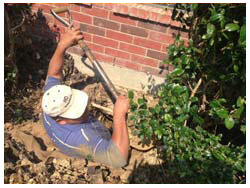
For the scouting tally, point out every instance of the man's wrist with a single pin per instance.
(61, 47)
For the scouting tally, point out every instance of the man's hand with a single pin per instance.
(121, 106)
(70, 38)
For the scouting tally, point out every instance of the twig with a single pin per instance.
(19, 25)
(196, 88)
(192, 95)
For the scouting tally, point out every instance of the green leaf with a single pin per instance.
(194, 6)
(206, 36)
(177, 72)
(140, 101)
(243, 128)
(236, 68)
(198, 119)
(210, 29)
(243, 33)
(168, 118)
(232, 27)
(229, 122)
(240, 101)
(157, 109)
(176, 135)
(217, 155)
(222, 113)
(211, 42)
(130, 94)
(238, 112)
(216, 17)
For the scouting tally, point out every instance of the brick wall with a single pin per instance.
(127, 35)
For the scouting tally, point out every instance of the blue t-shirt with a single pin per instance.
(85, 140)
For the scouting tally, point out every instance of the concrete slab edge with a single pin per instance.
(120, 76)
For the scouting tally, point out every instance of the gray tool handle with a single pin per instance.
(105, 79)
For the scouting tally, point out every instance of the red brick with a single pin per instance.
(109, 6)
(103, 58)
(95, 47)
(105, 42)
(119, 36)
(143, 14)
(81, 18)
(47, 7)
(156, 55)
(164, 47)
(62, 5)
(117, 53)
(76, 24)
(147, 43)
(175, 30)
(133, 11)
(86, 4)
(122, 19)
(127, 64)
(165, 19)
(145, 61)
(154, 16)
(94, 11)
(175, 23)
(76, 7)
(106, 24)
(134, 30)
(58, 23)
(100, 5)
(160, 37)
(123, 9)
(186, 42)
(36, 7)
(132, 49)
(92, 29)
(152, 26)
(87, 37)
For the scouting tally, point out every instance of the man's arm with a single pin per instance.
(71, 37)
(120, 130)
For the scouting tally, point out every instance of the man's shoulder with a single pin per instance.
(50, 82)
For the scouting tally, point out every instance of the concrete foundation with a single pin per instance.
(120, 76)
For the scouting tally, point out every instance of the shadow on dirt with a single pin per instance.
(31, 57)
(214, 171)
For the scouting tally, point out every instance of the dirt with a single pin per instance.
(30, 156)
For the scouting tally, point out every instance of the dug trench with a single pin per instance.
(30, 156)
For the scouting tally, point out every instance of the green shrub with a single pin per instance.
(205, 91)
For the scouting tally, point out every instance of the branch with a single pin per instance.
(192, 95)
(19, 25)
(196, 88)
